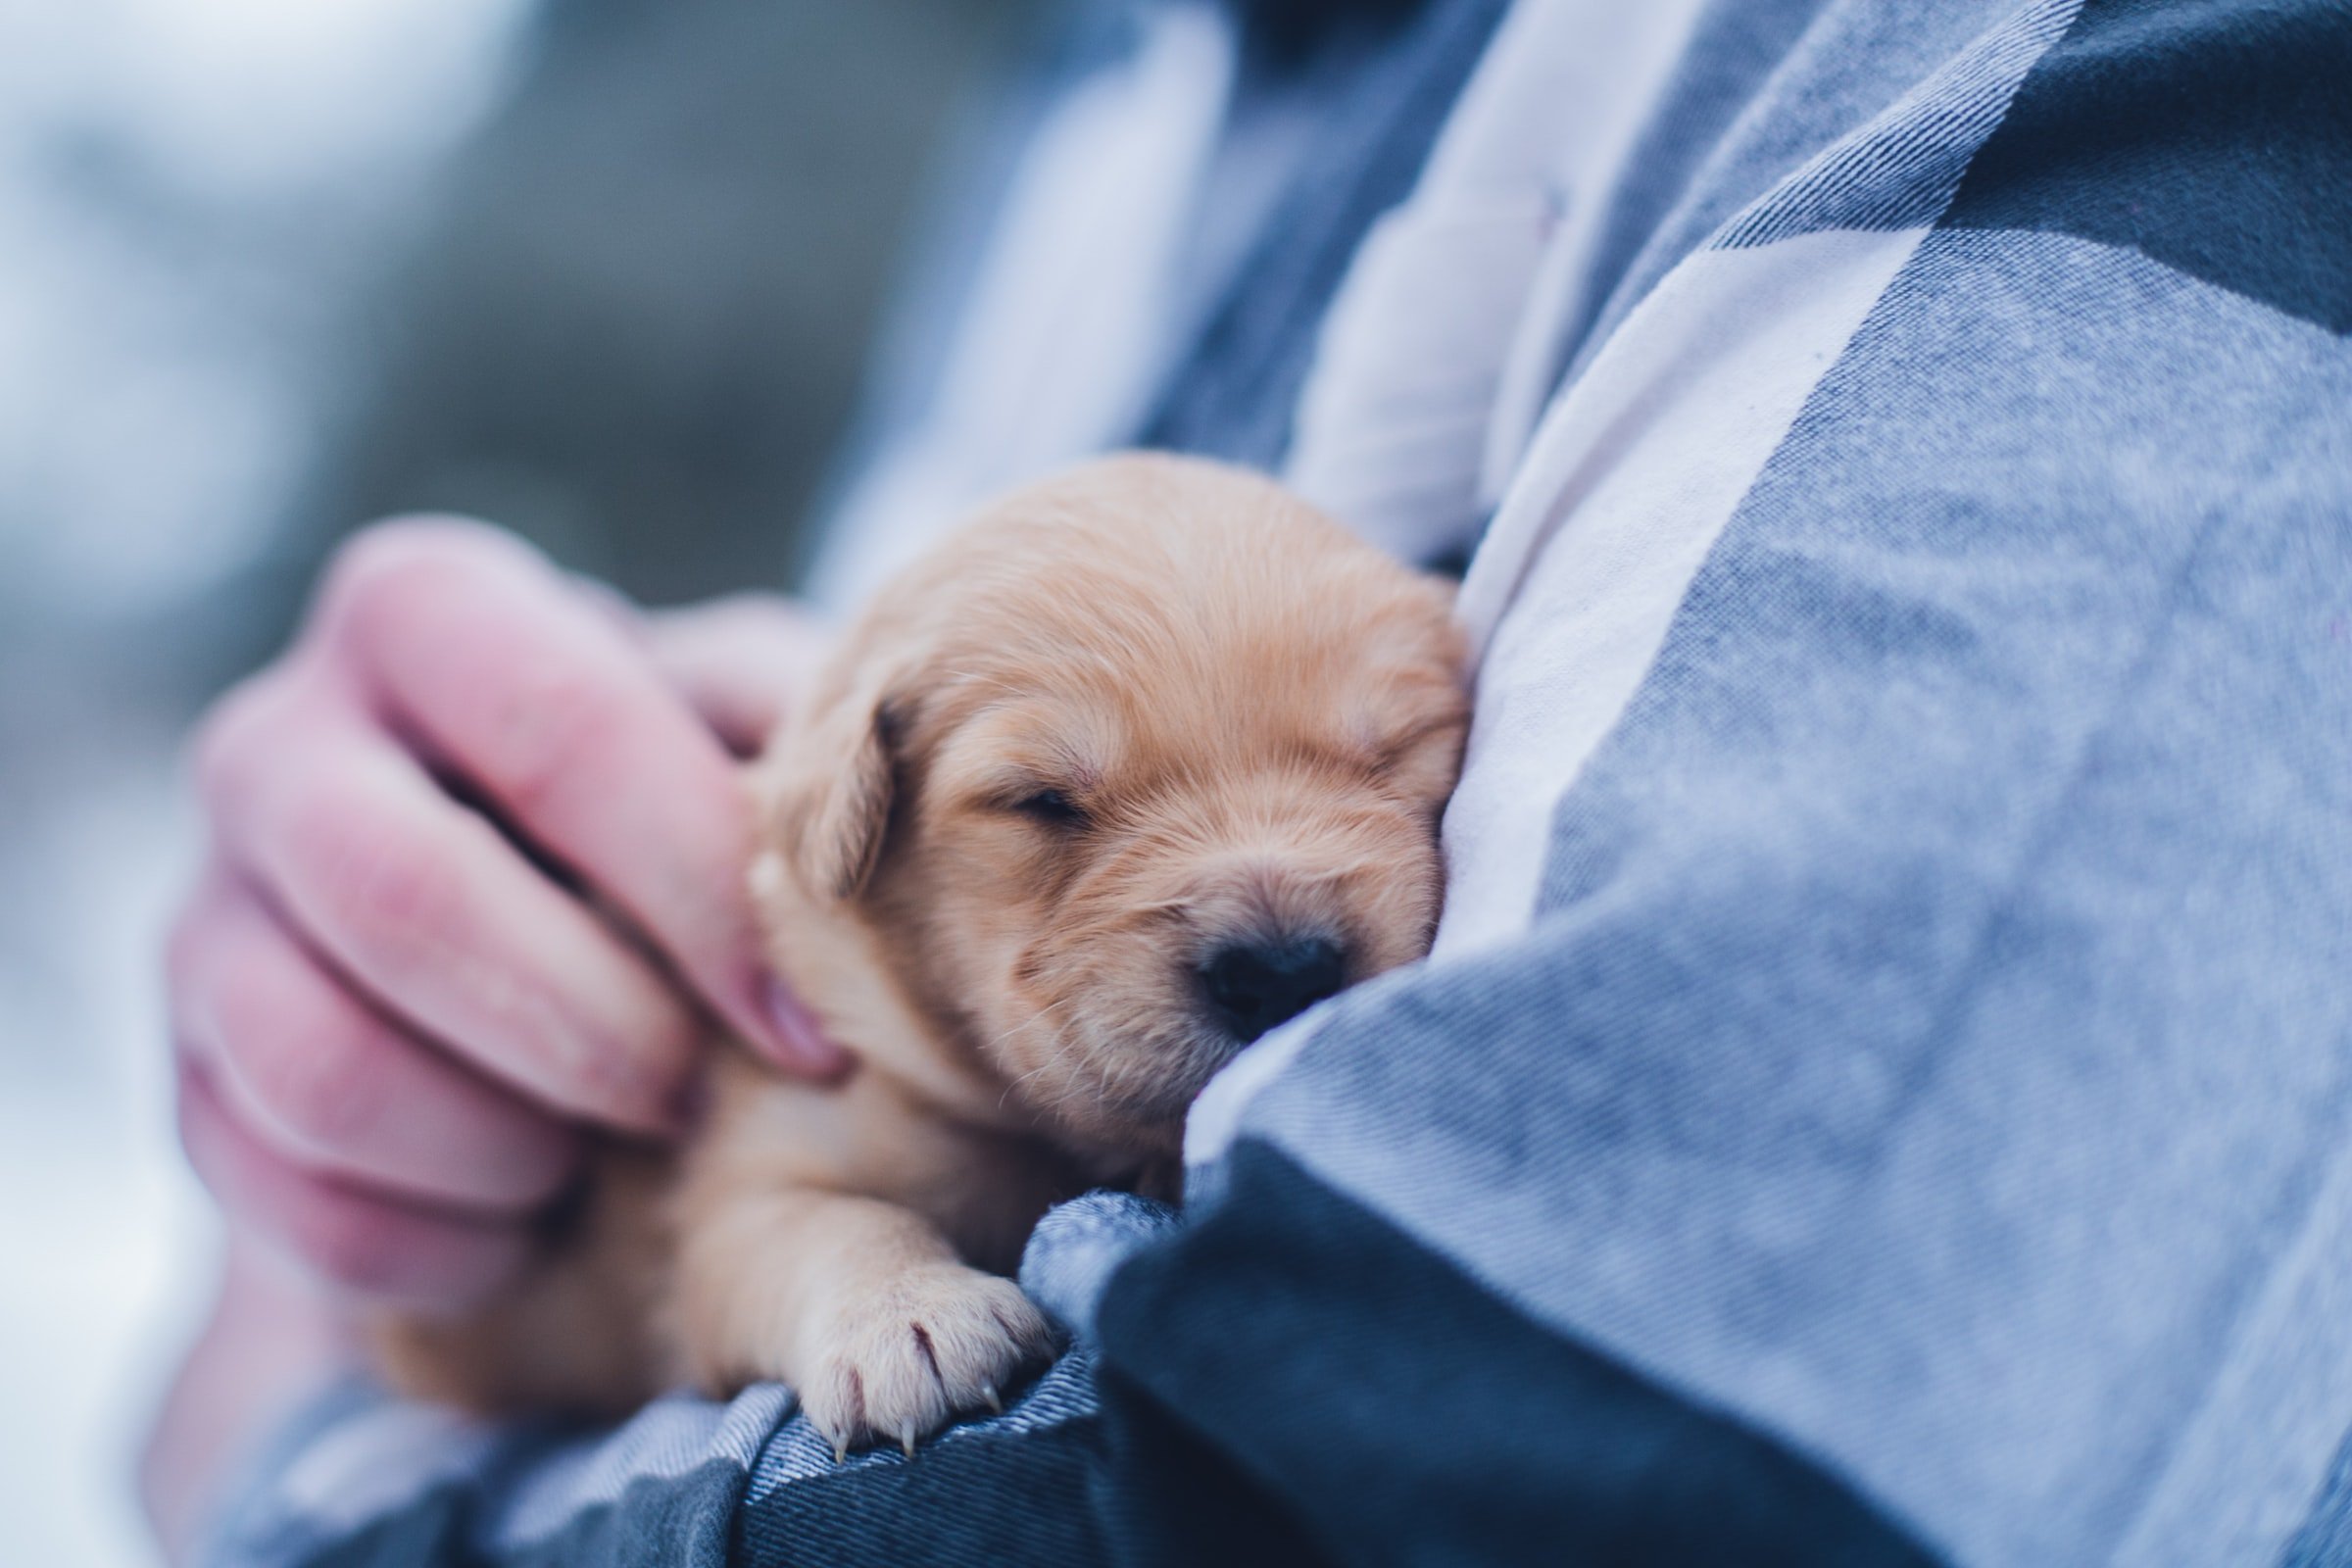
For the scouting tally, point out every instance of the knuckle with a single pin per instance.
(556, 723)
(376, 890)
(391, 904)
(314, 1074)
(327, 1109)
(236, 727)
(386, 567)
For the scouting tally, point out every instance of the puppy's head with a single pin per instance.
(1144, 763)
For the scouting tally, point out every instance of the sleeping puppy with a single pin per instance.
(1142, 762)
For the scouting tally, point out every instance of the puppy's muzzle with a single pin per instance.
(1252, 985)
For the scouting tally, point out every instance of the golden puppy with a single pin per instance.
(1145, 762)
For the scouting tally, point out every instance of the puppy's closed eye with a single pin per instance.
(1049, 808)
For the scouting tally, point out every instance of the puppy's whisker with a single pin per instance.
(1055, 1055)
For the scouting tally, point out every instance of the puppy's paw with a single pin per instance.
(901, 1362)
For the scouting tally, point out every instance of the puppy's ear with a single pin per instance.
(831, 783)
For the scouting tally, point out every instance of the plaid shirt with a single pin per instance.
(1881, 1093)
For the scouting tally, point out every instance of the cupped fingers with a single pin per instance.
(333, 1086)
(437, 918)
(517, 681)
(367, 1245)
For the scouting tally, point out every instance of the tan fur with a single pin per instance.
(1254, 720)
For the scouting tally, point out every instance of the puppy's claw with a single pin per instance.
(840, 1449)
(904, 1360)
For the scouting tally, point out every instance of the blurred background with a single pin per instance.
(604, 270)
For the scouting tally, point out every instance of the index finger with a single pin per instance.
(513, 680)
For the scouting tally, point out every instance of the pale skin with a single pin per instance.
(391, 1024)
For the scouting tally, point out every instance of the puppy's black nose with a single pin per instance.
(1252, 986)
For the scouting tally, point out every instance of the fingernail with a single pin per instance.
(800, 1040)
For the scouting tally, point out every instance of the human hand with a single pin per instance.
(391, 1020)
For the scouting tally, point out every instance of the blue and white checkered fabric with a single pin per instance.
(1882, 1092)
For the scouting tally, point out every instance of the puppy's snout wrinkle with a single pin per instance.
(1254, 985)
